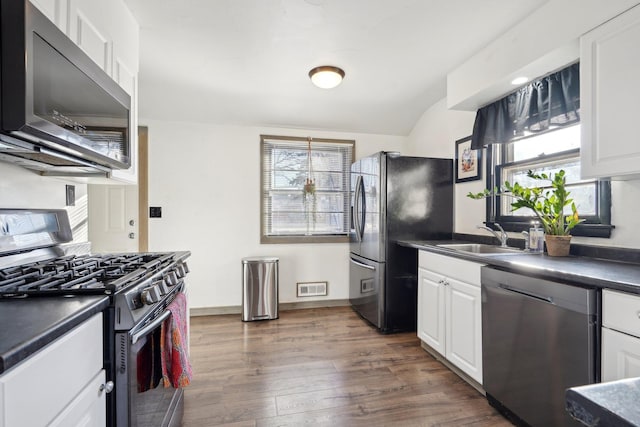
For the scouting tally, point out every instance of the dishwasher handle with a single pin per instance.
(526, 293)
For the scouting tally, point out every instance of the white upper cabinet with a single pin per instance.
(609, 92)
(109, 34)
(89, 29)
(56, 10)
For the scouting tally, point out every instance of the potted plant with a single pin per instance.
(309, 194)
(547, 204)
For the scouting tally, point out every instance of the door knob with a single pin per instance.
(132, 222)
(132, 235)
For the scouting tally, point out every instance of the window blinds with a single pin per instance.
(286, 209)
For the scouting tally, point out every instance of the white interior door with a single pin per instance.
(113, 218)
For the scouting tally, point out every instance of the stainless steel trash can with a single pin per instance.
(259, 288)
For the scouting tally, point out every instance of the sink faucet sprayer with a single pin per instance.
(502, 236)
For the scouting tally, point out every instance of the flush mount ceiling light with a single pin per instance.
(519, 80)
(326, 76)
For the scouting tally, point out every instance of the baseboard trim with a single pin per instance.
(440, 358)
(214, 311)
(298, 305)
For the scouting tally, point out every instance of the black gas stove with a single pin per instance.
(80, 274)
(140, 287)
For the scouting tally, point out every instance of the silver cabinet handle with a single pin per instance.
(107, 388)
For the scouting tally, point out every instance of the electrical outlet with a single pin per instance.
(70, 191)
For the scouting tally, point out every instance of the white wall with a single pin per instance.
(545, 40)
(206, 178)
(20, 188)
(434, 135)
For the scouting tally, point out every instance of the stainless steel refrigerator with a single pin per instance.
(393, 198)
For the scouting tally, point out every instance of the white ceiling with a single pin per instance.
(245, 62)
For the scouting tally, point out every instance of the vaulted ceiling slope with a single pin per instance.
(245, 62)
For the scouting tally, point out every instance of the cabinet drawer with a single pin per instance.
(620, 356)
(51, 378)
(621, 311)
(466, 271)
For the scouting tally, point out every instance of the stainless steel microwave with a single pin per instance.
(58, 108)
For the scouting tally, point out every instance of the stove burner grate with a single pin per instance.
(84, 274)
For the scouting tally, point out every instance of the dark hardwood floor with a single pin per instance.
(321, 367)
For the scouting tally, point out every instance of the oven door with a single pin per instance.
(141, 398)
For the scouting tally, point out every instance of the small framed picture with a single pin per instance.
(468, 161)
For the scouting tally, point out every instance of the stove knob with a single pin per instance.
(162, 287)
(150, 295)
(171, 278)
(180, 270)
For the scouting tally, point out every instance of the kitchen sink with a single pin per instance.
(483, 249)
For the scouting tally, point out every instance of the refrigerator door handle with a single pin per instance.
(363, 218)
(359, 264)
(356, 207)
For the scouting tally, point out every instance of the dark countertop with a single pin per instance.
(613, 404)
(590, 272)
(29, 324)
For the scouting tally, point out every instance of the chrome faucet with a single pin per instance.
(502, 236)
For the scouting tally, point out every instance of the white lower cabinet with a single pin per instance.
(62, 384)
(88, 408)
(449, 310)
(620, 335)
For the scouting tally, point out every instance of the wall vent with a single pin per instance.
(312, 289)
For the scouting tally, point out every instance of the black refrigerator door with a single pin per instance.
(419, 206)
(419, 198)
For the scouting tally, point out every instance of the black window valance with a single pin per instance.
(551, 100)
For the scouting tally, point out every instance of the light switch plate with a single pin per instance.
(155, 212)
(70, 195)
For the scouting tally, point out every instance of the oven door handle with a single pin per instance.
(151, 326)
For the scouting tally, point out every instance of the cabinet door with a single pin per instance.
(464, 327)
(52, 377)
(431, 318)
(609, 93)
(88, 408)
(620, 355)
(56, 11)
(88, 28)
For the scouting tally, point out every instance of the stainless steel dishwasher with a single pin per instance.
(538, 339)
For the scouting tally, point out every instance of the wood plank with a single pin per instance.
(321, 366)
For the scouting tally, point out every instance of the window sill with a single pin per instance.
(582, 230)
(303, 239)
